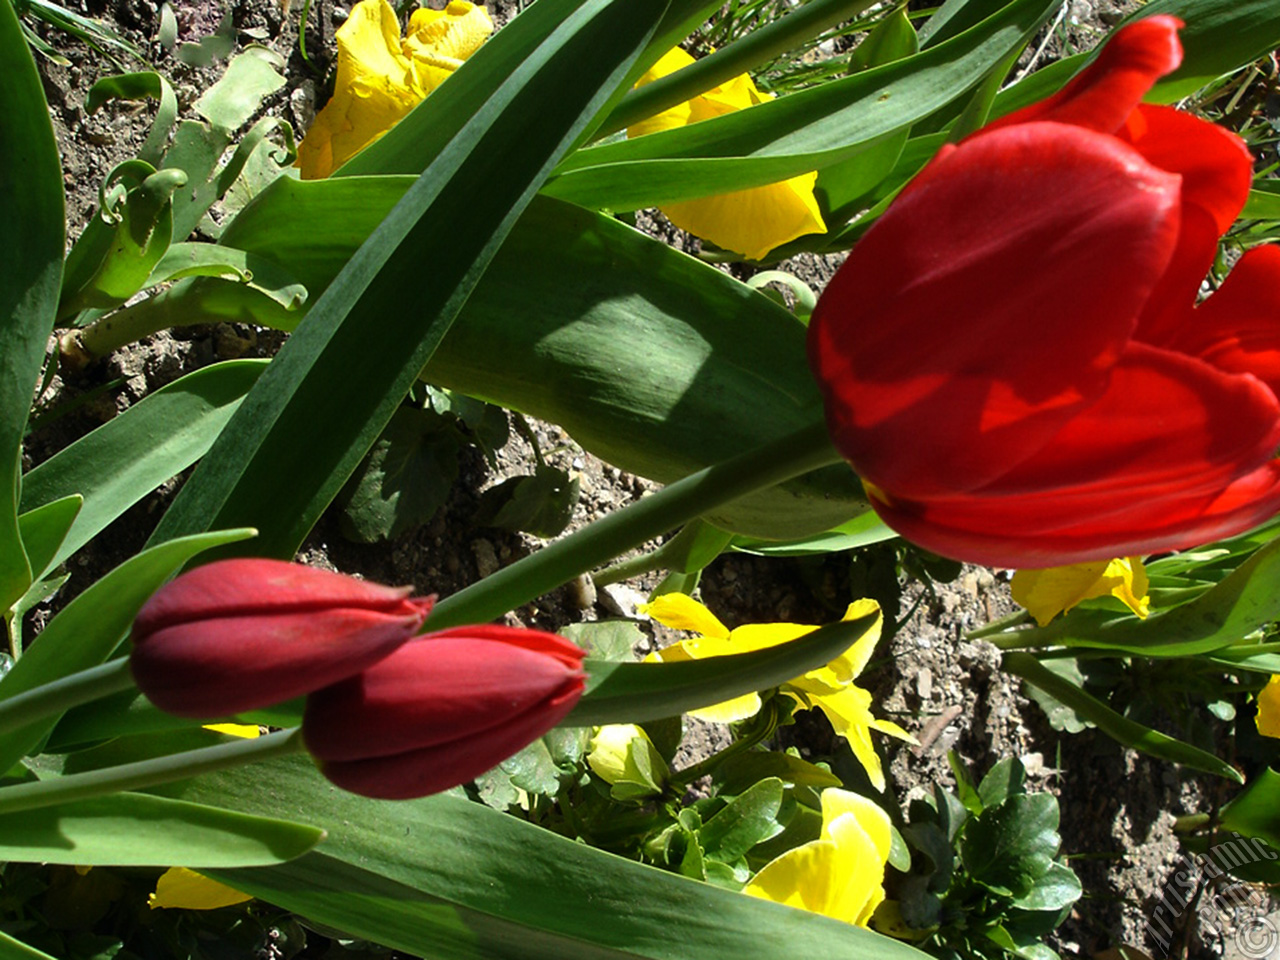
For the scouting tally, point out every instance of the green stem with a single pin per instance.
(759, 46)
(626, 569)
(1014, 619)
(61, 695)
(762, 727)
(147, 773)
(594, 545)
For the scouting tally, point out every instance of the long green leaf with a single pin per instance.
(336, 383)
(794, 134)
(87, 630)
(137, 830)
(1244, 601)
(13, 949)
(126, 458)
(448, 878)
(1118, 727)
(31, 236)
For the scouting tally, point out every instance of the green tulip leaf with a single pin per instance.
(634, 692)
(126, 458)
(14, 949)
(214, 260)
(146, 85)
(31, 234)
(136, 830)
(45, 529)
(352, 363)
(436, 877)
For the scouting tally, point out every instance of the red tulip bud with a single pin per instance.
(442, 709)
(239, 635)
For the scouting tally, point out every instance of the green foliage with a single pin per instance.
(1008, 887)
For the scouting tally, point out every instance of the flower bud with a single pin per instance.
(442, 709)
(243, 634)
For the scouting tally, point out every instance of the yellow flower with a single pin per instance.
(1048, 592)
(750, 222)
(381, 77)
(839, 875)
(830, 689)
(1268, 718)
(188, 890)
(623, 756)
(247, 731)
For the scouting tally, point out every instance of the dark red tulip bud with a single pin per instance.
(442, 710)
(243, 634)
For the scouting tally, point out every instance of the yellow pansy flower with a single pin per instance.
(839, 875)
(830, 689)
(1268, 718)
(382, 77)
(188, 890)
(749, 222)
(244, 730)
(623, 756)
(1047, 592)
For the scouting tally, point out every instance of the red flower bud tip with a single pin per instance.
(239, 635)
(1013, 359)
(442, 710)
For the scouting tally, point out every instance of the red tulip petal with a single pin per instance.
(1165, 420)
(538, 641)
(1000, 291)
(418, 773)
(1102, 95)
(1238, 328)
(430, 692)
(225, 665)
(1004, 533)
(249, 586)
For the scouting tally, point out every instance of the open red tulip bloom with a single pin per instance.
(442, 709)
(243, 634)
(1012, 357)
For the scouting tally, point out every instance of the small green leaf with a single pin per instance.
(541, 505)
(1012, 845)
(1058, 888)
(965, 788)
(1002, 781)
(134, 829)
(404, 480)
(739, 772)
(146, 85)
(606, 639)
(746, 820)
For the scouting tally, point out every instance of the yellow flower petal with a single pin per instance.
(680, 611)
(247, 731)
(622, 755)
(1047, 592)
(439, 40)
(839, 875)
(748, 222)
(1269, 708)
(188, 890)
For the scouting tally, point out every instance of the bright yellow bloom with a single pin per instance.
(750, 222)
(188, 890)
(839, 875)
(1048, 592)
(245, 730)
(1268, 718)
(830, 689)
(623, 756)
(381, 77)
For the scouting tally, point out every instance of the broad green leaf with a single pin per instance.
(214, 260)
(1256, 811)
(373, 330)
(13, 949)
(1264, 201)
(1058, 888)
(1121, 729)
(126, 458)
(90, 627)
(1002, 781)
(44, 530)
(745, 821)
(31, 235)
(448, 878)
(634, 692)
(795, 134)
(1218, 37)
(1246, 600)
(861, 531)
(1012, 844)
(541, 504)
(137, 830)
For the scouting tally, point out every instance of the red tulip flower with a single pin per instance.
(243, 634)
(442, 709)
(1013, 358)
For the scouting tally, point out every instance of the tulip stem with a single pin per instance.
(63, 694)
(610, 536)
(147, 773)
